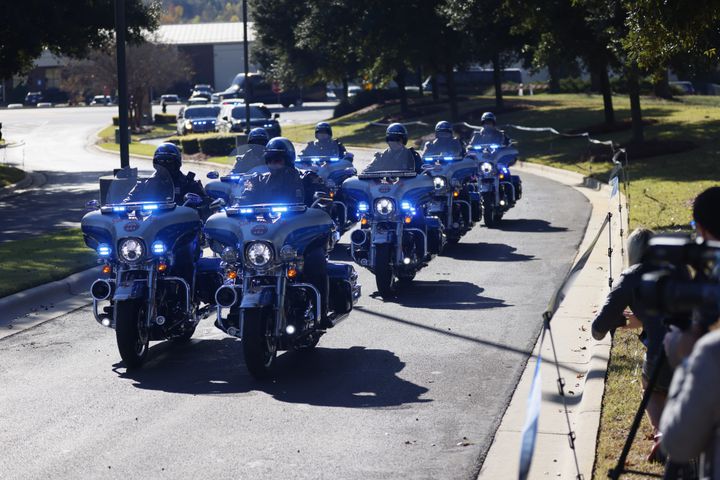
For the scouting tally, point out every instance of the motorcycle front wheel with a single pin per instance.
(131, 333)
(259, 346)
(383, 271)
(491, 216)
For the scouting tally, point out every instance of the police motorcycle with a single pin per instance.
(333, 170)
(455, 198)
(396, 237)
(265, 299)
(154, 285)
(247, 161)
(498, 188)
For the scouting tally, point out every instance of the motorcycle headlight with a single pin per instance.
(259, 254)
(439, 183)
(229, 255)
(188, 124)
(384, 206)
(131, 250)
(486, 167)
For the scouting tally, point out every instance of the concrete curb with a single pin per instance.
(579, 356)
(10, 189)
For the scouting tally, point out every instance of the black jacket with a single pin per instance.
(286, 186)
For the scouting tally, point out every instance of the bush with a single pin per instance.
(363, 99)
(619, 85)
(164, 118)
(213, 145)
(574, 85)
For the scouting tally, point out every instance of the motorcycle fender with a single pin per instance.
(263, 298)
(130, 291)
(382, 237)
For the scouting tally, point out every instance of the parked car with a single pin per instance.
(33, 98)
(261, 89)
(685, 87)
(203, 91)
(197, 119)
(197, 101)
(232, 118)
(170, 99)
(474, 81)
(101, 100)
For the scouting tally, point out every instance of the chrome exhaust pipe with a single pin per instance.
(226, 296)
(101, 289)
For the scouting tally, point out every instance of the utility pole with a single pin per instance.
(247, 67)
(120, 30)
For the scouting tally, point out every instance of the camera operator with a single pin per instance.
(691, 420)
(615, 314)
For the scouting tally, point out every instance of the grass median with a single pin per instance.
(662, 190)
(34, 261)
(10, 175)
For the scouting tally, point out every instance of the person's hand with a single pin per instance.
(678, 345)
(631, 320)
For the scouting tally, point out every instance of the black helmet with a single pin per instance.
(323, 127)
(396, 132)
(488, 117)
(258, 136)
(168, 155)
(443, 127)
(280, 147)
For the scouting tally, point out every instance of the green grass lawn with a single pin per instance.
(10, 175)
(34, 261)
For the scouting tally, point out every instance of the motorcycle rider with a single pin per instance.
(285, 184)
(444, 141)
(324, 143)
(489, 133)
(397, 156)
(253, 153)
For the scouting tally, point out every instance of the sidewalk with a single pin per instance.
(582, 360)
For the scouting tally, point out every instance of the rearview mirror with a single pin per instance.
(92, 205)
(192, 200)
(217, 204)
(213, 175)
(276, 116)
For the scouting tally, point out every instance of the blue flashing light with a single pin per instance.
(477, 147)
(104, 250)
(505, 170)
(428, 159)
(158, 248)
(363, 207)
(334, 159)
(448, 158)
(405, 205)
(234, 177)
(246, 210)
(119, 209)
(279, 209)
(314, 159)
(150, 207)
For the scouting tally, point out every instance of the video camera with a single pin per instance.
(685, 279)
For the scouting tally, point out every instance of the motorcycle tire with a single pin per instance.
(491, 216)
(259, 348)
(131, 334)
(406, 281)
(383, 271)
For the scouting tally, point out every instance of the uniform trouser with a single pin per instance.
(315, 272)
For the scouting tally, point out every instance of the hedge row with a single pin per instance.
(159, 118)
(214, 145)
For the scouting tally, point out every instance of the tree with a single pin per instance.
(71, 28)
(149, 65)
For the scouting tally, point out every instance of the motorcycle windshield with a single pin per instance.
(443, 150)
(247, 157)
(398, 163)
(127, 187)
(487, 139)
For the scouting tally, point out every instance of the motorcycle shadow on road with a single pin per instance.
(445, 295)
(356, 377)
(528, 225)
(485, 252)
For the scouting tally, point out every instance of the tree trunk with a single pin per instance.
(662, 86)
(400, 80)
(606, 91)
(344, 93)
(635, 111)
(554, 72)
(420, 82)
(452, 93)
(497, 79)
(435, 87)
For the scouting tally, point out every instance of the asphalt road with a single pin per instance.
(408, 389)
(66, 169)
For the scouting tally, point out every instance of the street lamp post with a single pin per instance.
(245, 83)
(120, 30)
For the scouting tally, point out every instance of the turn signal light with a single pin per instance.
(408, 219)
(363, 221)
(502, 175)
(107, 269)
(456, 194)
(162, 267)
(232, 275)
(292, 273)
(332, 194)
